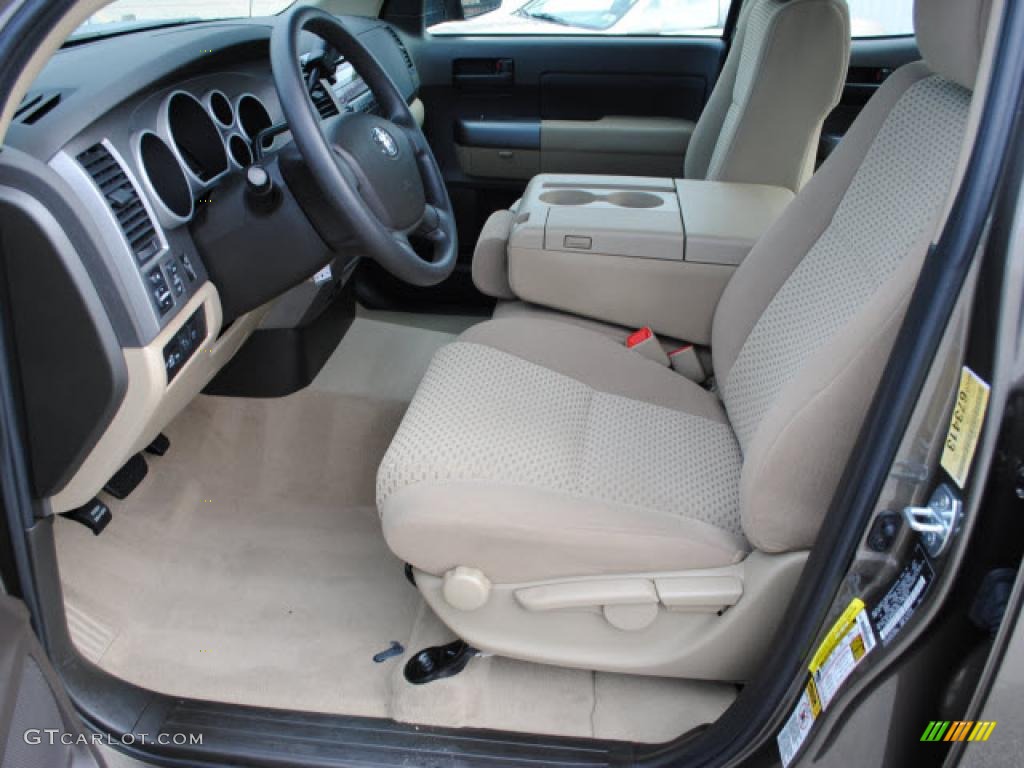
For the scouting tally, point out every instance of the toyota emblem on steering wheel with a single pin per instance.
(385, 141)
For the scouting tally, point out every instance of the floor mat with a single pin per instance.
(249, 567)
(384, 355)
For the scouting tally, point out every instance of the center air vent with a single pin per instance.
(323, 102)
(124, 201)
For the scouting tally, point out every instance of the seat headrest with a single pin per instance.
(951, 35)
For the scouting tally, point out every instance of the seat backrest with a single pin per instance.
(783, 75)
(805, 327)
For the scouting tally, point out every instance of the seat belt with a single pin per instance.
(685, 361)
(646, 344)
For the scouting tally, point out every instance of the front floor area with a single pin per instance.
(249, 568)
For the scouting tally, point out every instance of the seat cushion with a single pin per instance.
(537, 450)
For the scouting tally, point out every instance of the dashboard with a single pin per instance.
(128, 159)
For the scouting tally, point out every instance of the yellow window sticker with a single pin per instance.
(965, 426)
(847, 643)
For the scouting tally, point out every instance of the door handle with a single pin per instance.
(488, 81)
(483, 73)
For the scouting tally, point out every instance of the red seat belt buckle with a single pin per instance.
(645, 343)
(639, 337)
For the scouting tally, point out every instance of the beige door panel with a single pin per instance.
(498, 162)
(639, 146)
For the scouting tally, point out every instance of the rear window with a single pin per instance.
(881, 18)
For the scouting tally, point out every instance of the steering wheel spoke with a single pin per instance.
(430, 224)
(345, 167)
(415, 136)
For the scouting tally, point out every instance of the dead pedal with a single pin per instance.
(95, 516)
(439, 662)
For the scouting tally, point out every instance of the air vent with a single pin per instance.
(35, 106)
(402, 48)
(123, 200)
(323, 102)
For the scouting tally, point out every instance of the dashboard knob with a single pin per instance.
(258, 180)
(261, 194)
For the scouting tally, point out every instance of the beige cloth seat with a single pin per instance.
(536, 451)
(784, 73)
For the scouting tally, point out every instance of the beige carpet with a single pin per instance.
(249, 568)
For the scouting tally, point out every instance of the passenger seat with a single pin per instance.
(565, 500)
(784, 74)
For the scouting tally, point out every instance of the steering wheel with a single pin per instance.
(377, 173)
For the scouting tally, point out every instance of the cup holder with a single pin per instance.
(569, 197)
(624, 199)
(634, 199)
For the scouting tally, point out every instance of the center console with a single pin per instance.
(635, 251)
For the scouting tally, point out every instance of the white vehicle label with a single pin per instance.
(846, 645)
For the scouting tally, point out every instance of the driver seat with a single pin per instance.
(565, 500)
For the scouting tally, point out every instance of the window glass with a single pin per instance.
(127, 15)
(881, 18)
(588, 17)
